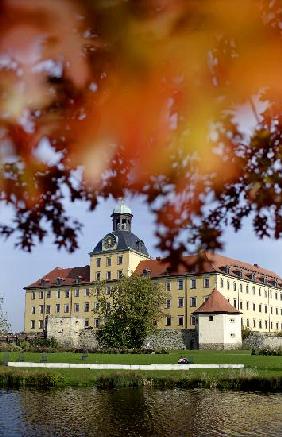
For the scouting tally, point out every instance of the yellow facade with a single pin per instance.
(261, 307)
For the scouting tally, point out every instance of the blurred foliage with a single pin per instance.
(141, 97)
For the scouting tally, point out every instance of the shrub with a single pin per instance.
(9, 347)
(268, 351)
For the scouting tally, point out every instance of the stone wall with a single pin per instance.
(219, 346)
(261, 341)
(70, 333)
(65, 330)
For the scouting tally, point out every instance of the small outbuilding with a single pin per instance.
(218, 323)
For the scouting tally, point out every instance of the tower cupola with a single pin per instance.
(122, 217)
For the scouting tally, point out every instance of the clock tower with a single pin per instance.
(119, 252)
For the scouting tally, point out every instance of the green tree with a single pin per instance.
(4, 324)
(130, 311)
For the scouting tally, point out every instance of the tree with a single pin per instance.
(4, 324)
(141, 97)
(130, 312)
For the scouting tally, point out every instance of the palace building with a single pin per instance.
(69, 292)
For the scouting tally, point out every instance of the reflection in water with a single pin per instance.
(139, 412)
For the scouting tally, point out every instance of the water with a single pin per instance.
(139, 412)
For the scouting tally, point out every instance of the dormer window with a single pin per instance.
(59, 280)
(227, 269)
(146, 272)
(78, 279)
(253, 276)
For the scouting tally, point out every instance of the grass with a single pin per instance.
(261, 373)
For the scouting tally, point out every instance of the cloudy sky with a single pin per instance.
(19, 269)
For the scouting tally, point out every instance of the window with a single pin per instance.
(76, 292)
(48, 309)
(277, 325)
(247, 289)
(259, 291)
(254, 306)
(119, 260)
(168, 321)
(86, 323)
(66, 308)
(97, 306)
(241, 288)
(180, 302)
(254, 289)
(98, 262)
(87, 292)
(33, 295)
(32, 324)
(235, 303)
(276, 311)
(193, 320)
(58, 307)
(271, 310)
(247, 321)
(109, 276)
(41, 309)
(260, 324)
(40, 324)
(221, 282)
(96, 323)
(180, 284)
(265, 324)
(32, 310)
(76, 307)
(108, 290)
(254, 323)
(247, 305)
(119, 274)
(86, 307)
(270, 325)
(234, 286)
(168, 303)
(58, 294)
(228, 284)
(98, 276)
(265, 309)
(193, 301)
(108, 261)
(206, 282)
(48, 294)
(265, 293)
(180, 320)
(193, 283)
(260, 308)
(276, 296)
(67, 294)
(41, 295)
(168, 286)
(210, 318)
(241, 305)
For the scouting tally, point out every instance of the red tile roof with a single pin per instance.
(209, 263)
(216, 303)
(67, 276)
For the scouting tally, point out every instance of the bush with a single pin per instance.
(268, 351)
(245, 332)
(9, 347)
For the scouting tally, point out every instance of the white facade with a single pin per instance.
(219, 330)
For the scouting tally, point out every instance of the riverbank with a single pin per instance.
(261, 373)
(226, 379)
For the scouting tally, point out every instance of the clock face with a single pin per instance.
(109, 242)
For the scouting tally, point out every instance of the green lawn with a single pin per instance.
(257, 367)
(199, 357)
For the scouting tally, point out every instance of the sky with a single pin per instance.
(18, 268)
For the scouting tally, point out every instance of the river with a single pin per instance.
(139, 412)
